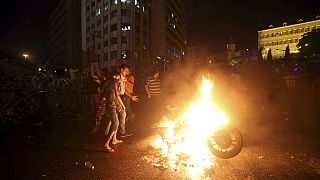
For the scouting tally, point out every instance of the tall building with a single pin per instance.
(65, 33)
(278, 38)
(168, 30)
(117, 32)
(132, 32)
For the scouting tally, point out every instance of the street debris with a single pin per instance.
(160, 166)
(89, 165)
(260, 157)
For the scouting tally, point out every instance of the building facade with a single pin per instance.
(117, 32)
(278, 38)
(132, 32)
(65, 33)
(168, 31)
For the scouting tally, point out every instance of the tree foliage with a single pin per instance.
(287, 53)
(269, 57)
(309, 45)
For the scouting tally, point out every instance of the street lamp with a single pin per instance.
(26, 56)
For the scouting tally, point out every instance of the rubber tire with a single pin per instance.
(234, 152)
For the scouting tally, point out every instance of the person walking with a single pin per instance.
(111, 95)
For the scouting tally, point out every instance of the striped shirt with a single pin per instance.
(153, 86)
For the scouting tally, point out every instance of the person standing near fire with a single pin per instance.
(124, 72)
(129, 96)
(153, 90)
(112, 104)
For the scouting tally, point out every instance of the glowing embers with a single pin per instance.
(184, 137)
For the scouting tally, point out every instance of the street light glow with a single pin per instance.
(25, 56)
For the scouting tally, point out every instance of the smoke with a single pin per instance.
(247, 96)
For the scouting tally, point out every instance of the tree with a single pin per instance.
(287, 53)
(309, 45)
(260, 57)
(269, 57)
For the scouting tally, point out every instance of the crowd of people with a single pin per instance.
(110, 98)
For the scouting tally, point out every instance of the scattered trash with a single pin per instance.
(89, 165)
(260, 157)
(160, 166)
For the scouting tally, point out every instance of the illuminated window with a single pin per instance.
(172, 21)
(106, 6)
(136, 3)
(125, 54)
(98, 12)
(114, 2)
(125, 27)
(126, 1)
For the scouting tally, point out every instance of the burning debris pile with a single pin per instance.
(184, 137)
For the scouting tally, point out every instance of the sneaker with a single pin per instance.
(125, 134)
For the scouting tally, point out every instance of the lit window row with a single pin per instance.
(294, 31)
(280, 42)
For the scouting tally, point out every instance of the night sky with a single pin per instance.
(210, 22)
(214, 22)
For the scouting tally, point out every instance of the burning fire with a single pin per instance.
(184, 138)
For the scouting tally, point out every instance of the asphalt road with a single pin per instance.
(277, 154)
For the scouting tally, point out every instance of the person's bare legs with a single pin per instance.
(115, 140)
(106, 145)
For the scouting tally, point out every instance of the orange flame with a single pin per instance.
(187, 135)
